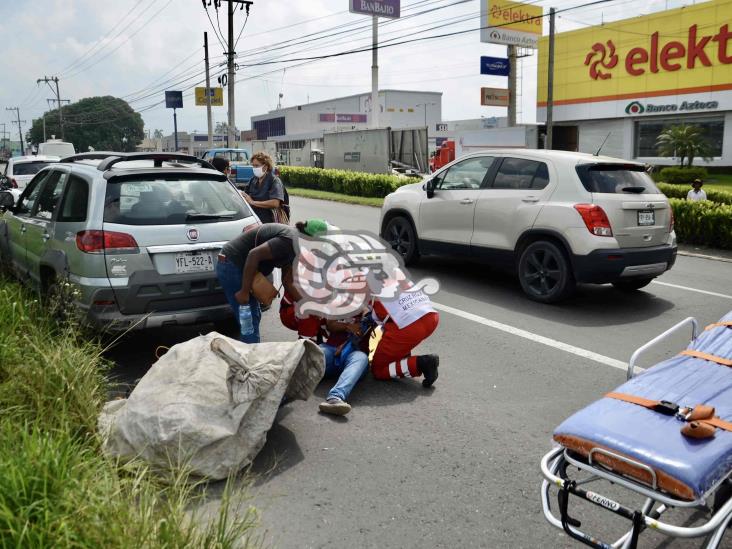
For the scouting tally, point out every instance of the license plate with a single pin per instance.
(646, 217)
(193, 262)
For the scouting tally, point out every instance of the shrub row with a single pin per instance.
(342, 181)
(677, 175)
(57, 488)
(705, 223)
(677, 191)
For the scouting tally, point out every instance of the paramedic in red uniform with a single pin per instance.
(407, 320)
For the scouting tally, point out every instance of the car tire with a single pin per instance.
(545, 272)
(632, 284)
(402, 237)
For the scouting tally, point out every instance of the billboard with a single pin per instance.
(380, 8)
(173, 100)
(496, 66)
(683, 55)
(494, 97)
(217, 97)
(343, 118)
(511, 23)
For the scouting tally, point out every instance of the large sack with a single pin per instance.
(209, 402)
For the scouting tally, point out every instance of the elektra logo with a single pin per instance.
(607, 59)
(634, 108)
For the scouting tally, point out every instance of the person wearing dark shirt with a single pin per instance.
(265, 192)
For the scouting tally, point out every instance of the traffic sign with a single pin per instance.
(217, 97)
(173, 99)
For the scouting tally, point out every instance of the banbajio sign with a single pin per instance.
(680, 52)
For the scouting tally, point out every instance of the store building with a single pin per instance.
(292, 127)
(623, 83)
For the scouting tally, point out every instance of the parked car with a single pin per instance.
(137, 235)
(241, 170)
(19, 170)
(555, 217)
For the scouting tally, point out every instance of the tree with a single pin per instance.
(222, 128)
(686, 142)
(104, 123)
(158, 134)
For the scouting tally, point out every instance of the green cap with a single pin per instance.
(316, 227)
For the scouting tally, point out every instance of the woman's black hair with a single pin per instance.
(220, 163)
(300, 226)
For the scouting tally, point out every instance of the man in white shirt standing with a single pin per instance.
(696, 192)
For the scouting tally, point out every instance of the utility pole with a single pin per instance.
(48, 81)
(19, 122)
(232, 73)
(50, 102)
(550, 85)
(512, 86)
(208, 92)
(375, 71)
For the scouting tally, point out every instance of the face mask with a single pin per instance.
(258, 171)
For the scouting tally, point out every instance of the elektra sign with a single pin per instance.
(380, 8)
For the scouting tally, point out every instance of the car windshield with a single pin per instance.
(172, 202)
(28, 168)
(616, 179)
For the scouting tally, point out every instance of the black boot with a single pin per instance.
(428, 364)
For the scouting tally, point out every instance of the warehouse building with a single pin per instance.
(624, 83)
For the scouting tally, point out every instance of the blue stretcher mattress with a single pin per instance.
(687, 468)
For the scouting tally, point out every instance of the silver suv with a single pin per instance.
(136, 234)
(555, 217)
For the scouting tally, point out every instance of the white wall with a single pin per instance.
(619, 144)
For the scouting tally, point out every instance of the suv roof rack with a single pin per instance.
(96, 155)
(157, 157)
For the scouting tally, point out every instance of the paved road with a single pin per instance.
(457, 466)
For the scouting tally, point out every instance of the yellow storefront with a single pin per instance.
(628, 80)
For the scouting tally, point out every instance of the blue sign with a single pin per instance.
(174, 99)
(495, 66)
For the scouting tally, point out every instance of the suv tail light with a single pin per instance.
(671, 223)
(13, 183)
(595, 218)
(96, 242)
(232, 171)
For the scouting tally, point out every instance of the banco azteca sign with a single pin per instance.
(659, 56)
(636, 107)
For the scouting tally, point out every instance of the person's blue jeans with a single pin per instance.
(229, 276)
(357, 363)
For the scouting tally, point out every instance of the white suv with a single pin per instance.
(556, 217)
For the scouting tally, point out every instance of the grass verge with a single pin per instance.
(57, 488)
(336, 197)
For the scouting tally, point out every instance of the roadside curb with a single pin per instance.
(705, 256)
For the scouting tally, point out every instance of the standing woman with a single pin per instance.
(265, 192)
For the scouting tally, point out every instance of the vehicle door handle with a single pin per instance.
(45, 236)
(467, 201)
(530, 199)
(23, 228)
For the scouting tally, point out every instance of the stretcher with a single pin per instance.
(665, 435)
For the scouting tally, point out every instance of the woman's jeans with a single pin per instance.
(229, 276)
(357, 363)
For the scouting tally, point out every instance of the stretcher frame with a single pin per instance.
(554, 470)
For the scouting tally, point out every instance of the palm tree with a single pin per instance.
(686, 142)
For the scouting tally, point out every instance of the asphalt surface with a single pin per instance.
(458, 465)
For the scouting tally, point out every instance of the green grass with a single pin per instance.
(57, 488)
(719, 182)
(336, 197)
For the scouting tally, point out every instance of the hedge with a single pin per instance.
(342, 181)
(683, 175)
(703, 222)
(677, 191)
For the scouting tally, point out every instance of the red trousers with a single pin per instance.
(392, 357)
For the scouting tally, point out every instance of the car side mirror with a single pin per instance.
(430, 188)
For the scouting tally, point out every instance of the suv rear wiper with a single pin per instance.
(637, 190)
(190, 217)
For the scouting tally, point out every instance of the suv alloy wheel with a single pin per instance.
(545, 273)
(401, 236)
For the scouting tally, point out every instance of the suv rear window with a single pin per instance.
(172, 201)
(616, 179)
(28, 168)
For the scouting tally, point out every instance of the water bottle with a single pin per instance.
(246, 322)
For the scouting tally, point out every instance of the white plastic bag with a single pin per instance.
(209, 402)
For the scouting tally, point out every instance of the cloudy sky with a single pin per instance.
(135, 49)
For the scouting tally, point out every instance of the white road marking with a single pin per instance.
(707, 292)
(583, 353)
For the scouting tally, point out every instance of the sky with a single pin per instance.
(135, 49)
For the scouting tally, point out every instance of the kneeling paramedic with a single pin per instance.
(407, 320)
